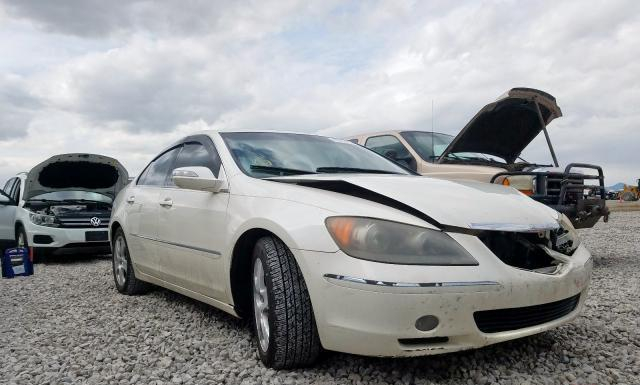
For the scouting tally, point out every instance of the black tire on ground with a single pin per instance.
(39, 254)
(293, 338)
(629, 197)
(131, 285)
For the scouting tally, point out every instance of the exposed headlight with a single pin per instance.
(43, 220)
(565, 239)
(524, 183)
(391, 242)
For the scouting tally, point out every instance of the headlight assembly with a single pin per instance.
(526, 184)
(565, 239)
(392, 242)
(43, 220)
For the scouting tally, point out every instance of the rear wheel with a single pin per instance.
(123, 274)
(284, 324)
(629, 197)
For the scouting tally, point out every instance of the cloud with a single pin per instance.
(17, 106)
(127, 77)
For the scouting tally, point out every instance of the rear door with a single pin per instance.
(142, 212)
(191, 226)
(8, 207)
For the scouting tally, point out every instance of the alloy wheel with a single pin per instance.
(120, 260)
(261, 305)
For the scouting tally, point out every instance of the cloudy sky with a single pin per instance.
(126, 77)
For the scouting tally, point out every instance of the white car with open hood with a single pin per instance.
(62, 205)
(326, 244)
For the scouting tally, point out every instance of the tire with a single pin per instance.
(123, 275)
(629, 197)
(38, 255)
(291, 339)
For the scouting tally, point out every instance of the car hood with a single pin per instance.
(505, 127)
(76, 172)
(461, 204)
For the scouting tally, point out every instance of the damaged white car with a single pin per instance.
(63, 205)
(328, 245)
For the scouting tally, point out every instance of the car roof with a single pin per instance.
(380, 133)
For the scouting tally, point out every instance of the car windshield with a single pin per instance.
(268, 154)
(431, 145)
(57, 196)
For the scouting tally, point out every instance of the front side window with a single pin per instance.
(194, 154)
(268, 154)
(15, 191)
(157, 172)
(429, 145)
(390, 146)
(8, 185)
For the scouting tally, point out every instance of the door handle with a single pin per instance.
(167, 202)
(131, 199)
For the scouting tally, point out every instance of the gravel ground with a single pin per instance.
(67, 324)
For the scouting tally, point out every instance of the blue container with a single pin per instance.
(16, 262)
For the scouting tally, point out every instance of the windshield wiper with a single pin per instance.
(282, 171)
(353, 170)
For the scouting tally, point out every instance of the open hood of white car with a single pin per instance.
(505, 127)
(76, 172)
(460, 204)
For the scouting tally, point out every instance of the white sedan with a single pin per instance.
(328, 245)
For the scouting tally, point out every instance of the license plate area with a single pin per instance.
(96, 236)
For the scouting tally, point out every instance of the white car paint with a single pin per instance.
(188, 245)
(15, 212)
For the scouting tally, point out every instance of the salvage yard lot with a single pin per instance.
(67, 324)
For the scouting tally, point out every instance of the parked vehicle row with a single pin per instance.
(329, 245)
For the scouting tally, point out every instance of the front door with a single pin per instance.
(191, 227)
(8, 212)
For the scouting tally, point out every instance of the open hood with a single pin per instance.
(505, 127)
(76, 172)
(443, 203)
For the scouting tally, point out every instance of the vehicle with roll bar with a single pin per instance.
(489, 149)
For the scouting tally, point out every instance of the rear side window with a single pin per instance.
(157, 172)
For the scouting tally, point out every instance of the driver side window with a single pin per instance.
(390, 147)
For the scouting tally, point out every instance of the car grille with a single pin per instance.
(500, 320)
(552, 184)
(83, 222)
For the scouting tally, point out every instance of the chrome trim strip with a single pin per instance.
(374, 282)
(514, 227)
(179, 245)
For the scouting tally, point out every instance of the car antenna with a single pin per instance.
(433, 145)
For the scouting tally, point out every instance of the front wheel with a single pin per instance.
(123, 274)
(38, 255)
(284, 323)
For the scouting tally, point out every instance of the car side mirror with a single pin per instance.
(5, 200)
(196, 178)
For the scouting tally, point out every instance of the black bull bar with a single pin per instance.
(564, 192)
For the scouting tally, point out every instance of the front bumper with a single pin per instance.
(66, 240)
(376, 318)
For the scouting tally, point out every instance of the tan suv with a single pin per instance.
(488, 149)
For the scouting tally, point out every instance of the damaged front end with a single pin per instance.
(544, 251)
